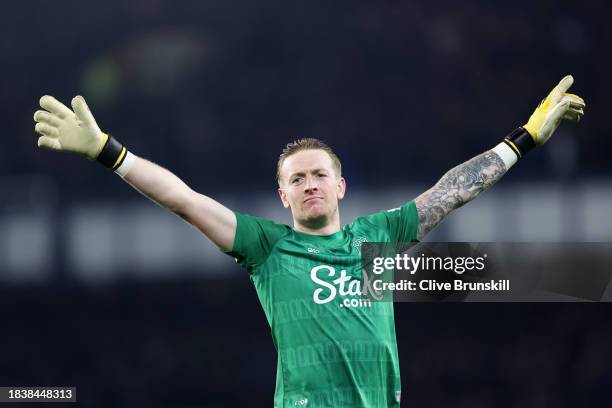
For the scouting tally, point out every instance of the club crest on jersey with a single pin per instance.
(357, 242)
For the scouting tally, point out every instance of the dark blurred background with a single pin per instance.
(105, 291)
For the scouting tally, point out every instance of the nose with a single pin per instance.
(310, 185)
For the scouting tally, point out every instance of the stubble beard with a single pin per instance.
(319, 221)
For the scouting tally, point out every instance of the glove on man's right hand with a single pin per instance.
(65, 130)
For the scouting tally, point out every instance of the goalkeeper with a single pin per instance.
(328, 355)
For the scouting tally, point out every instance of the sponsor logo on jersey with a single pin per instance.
(347, 286)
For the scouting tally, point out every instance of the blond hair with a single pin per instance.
(307, 143)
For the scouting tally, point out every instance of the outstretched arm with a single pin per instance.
(213, 219)
(458, 186)
(76, 131)
(463, 183)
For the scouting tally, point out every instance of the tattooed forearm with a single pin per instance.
(457, 187)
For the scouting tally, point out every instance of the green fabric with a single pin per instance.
(329, 354)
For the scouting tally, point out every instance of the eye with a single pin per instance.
(322, 175)
(296, 180)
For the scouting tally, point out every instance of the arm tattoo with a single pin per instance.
(458, 186)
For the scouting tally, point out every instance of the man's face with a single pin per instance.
(310, 186)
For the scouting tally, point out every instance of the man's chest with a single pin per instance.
(314, 274)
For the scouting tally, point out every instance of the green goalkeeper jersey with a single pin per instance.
(333, 349)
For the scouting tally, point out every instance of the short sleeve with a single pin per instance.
(401, 223)
(255, 238)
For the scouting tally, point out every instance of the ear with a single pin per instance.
(283, 197)
(341, 188)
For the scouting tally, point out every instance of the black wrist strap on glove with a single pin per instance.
(112, 155)
(520, 141)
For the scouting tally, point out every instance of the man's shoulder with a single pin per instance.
(387, 224)
(367, 224)
(249, 224)
(378, 218)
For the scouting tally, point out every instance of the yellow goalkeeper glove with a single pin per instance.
(557, 106)
(62, 129)
(77, 131)
(547, 117)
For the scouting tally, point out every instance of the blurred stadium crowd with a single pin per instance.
(213, 90)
